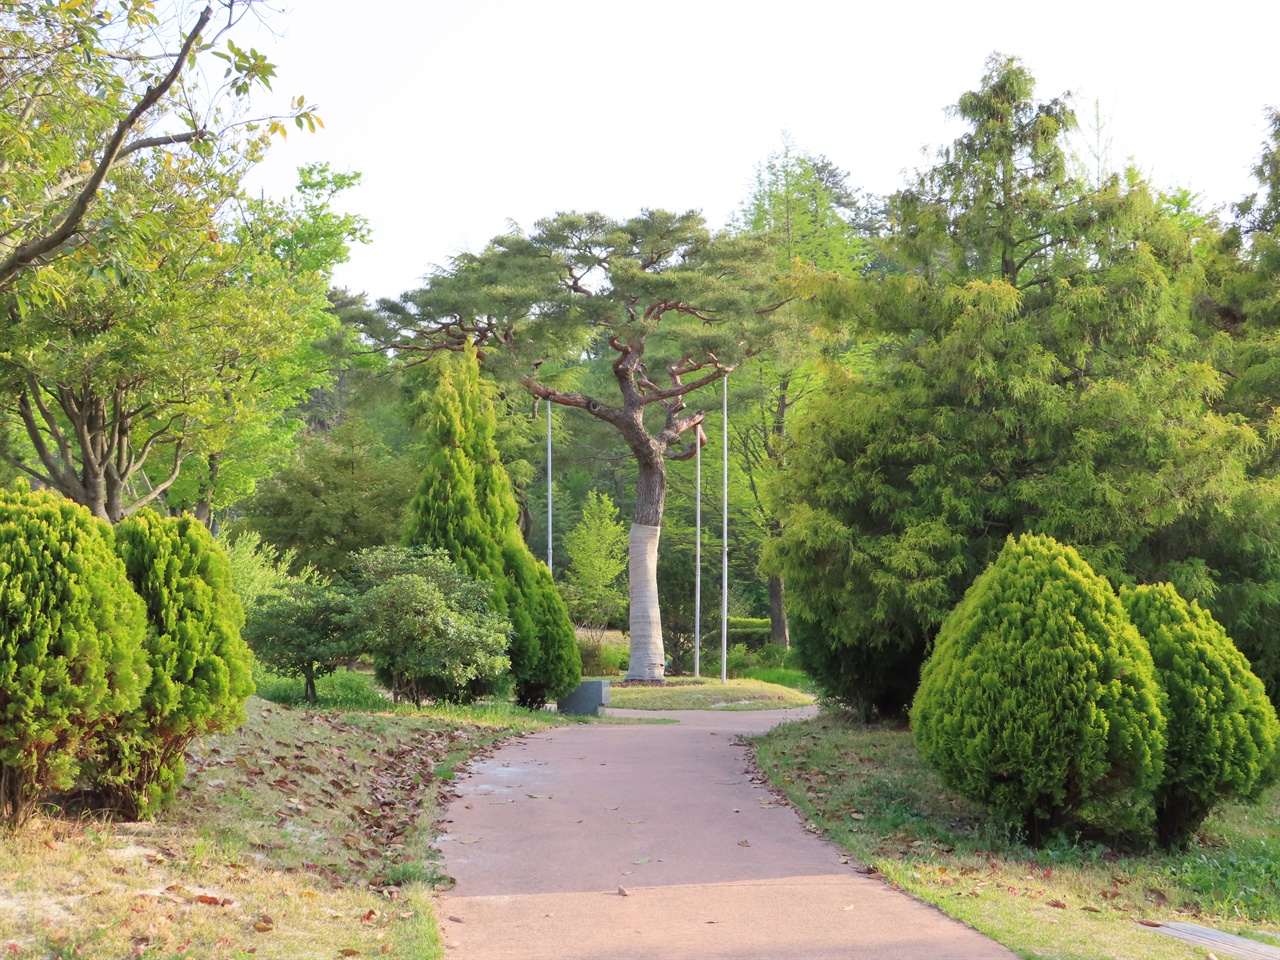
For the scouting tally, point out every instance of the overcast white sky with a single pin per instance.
(464, 115)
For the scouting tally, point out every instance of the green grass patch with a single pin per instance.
(782, 676)
(340, 690)
(869, 791)
(689, 693)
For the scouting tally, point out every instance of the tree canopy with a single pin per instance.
(667, 306)
(1039, 372)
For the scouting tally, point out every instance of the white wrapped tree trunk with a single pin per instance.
(647, 659)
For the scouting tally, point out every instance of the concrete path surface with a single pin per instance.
(643, 841)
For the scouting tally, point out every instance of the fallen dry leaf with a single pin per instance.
(744, 843)
(1057, 903)
(457, 919)
(1151, 923)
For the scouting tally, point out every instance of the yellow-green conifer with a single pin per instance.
(1040, 698)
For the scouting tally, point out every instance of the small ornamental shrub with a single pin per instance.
(299, 629)
(431, 629)
(1222, 730)
(1040, 698)
(201, 670)
(71, 643)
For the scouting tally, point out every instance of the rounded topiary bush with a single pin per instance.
(200, 667)
(1222, 729)
(1040, 699)
(71, 643)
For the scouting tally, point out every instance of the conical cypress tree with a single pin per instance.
(1223, 731)
(466, 506)
(200, 666)
(1040, 698)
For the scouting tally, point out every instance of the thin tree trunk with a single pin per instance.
(778, 632)
(204, 506)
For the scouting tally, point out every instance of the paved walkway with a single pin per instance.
(639, 842)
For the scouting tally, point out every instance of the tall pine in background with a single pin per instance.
(466, 506)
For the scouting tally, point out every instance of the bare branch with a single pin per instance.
(602, 411)
(163, 485)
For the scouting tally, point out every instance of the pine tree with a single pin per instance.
(465, 505)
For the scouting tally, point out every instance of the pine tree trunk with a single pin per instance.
(648, 659)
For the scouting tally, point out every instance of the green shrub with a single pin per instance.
(200, 666)
(770, 655)
(752, 632)
(1040, 698)
(737, 659)
(258, 568)
(71, 643)
(1222, 728)
(430, 628)
(300, 629)
(864, 677)
(600, 659)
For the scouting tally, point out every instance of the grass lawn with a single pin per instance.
(869, 791)
(688, 693)
(300, 835)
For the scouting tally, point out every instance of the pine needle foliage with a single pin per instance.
(200, 666)
(1222, 729)
(1040, 698)
(465, 506)
(71, 643)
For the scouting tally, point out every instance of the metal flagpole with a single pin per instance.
(549, 567)
(724, 564)
(697, 564)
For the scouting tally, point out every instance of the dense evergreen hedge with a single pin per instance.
(71, 643)
(1040, 698)
(1222, 727)
(200, 666)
